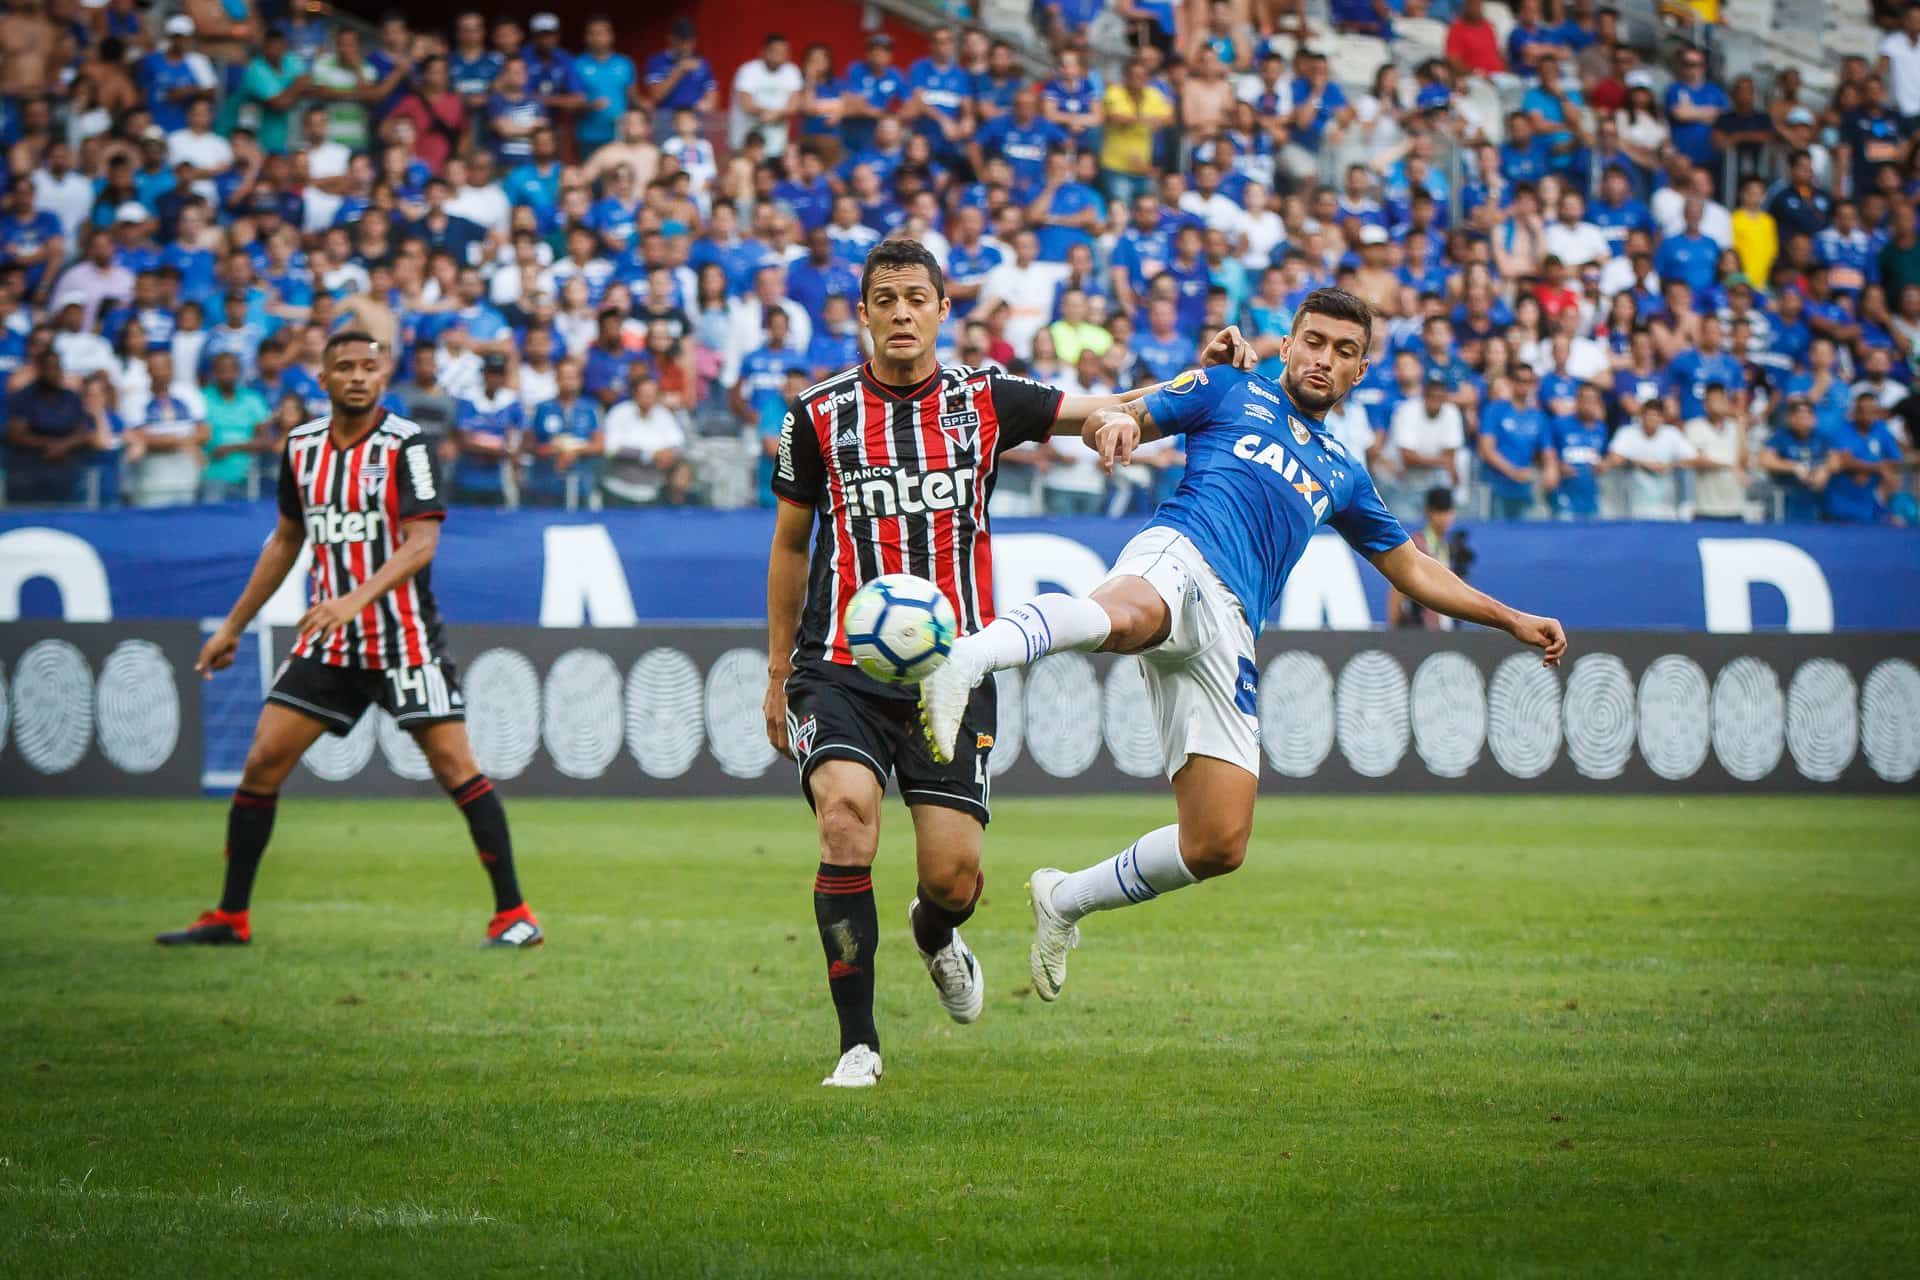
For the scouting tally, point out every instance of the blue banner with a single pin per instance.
(692, 566)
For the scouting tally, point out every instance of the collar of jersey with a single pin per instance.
(912, 393)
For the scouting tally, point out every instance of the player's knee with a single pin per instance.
(951, 883)
(451, 768)
(849, 836)
(1138, 620)
(267, 766)
(1214, 850)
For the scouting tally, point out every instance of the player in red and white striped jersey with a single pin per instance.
(888, 468)
(359, 484)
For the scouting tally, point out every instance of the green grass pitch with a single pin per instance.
(1431, 1037)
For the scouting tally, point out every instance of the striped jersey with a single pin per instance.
(900, 478)
(352, 502)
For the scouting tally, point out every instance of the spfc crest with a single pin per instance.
(1300, 433)
(373, 479)
(959, 419)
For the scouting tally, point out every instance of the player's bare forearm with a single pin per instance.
(269, 571)
(1229, 346)
(1432, 585)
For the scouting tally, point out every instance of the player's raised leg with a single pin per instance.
(846, 803)
(280, 737)
(947, 851)
(449, 754)
(1214, 802)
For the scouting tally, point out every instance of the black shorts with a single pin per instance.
(834, 719)
(337, 696)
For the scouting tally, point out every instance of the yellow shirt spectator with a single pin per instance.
(1070, 339)
(1134, 114)
(1756, 242)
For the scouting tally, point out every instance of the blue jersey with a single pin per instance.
(473, 77)
(1799, 503)
(1582, 446)
(1162, 358)
(1262, 477)
(970, 265)
(1518, 437)
(1025, 147)
(1070, 199)
(1853, 499)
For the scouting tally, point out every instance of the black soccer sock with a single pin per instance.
(849, 934)
(249, 826)
(487, 820)
(933, 924)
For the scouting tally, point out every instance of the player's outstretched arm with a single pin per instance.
(419, 539)
(1114, 433)
(269, 571)
(1431, 584)
(1229, 346)
(786, 593)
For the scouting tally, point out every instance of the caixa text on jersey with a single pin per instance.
(893, 491)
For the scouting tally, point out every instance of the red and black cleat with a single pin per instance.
(212, 929)
(515, 928)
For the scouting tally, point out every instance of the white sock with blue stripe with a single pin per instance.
(1141, 872)
(1029, 632)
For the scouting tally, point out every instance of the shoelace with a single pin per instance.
(862, 1065)
(950, 969)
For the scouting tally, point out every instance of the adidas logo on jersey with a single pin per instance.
(849, 438)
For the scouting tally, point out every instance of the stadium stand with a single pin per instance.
(605, 272)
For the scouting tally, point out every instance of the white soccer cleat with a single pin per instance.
(955, 974)
(1053, 935)
(943, 702)
(858, 1068)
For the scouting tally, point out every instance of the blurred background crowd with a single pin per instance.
(1633, 262)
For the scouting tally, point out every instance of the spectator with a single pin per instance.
(1514, 442)
(165, 446)
(1694, 104)
(766, 96)
(1426, 439)
(1026, 286)
(679, 79)
(1435, 536)
(1473, 46)
(1579, 457)
(763, 372)
(270, 90)
(488, 433)
(1899, 65)
(562, 440)
(646, 445)
(1652, 451)
(1719, 438)
(49, 437)
(239, 432)
(1795, 459)
(1863, 465)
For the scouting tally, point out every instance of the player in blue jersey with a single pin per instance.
(1191, 590)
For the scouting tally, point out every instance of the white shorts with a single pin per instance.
(1202, 680)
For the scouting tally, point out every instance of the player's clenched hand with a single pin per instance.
(326, 618)
(1115, 436)
(1544, 634)
(775, 708)
(1230, 346)
(217, 653)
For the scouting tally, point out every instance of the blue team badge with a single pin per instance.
(1186, 382)
(1300, 433)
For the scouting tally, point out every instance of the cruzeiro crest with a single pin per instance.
(1300, 433)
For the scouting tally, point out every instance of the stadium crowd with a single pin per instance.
(1609, 283)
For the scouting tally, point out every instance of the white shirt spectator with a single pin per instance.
(747, 332)
(537, 386)
(1350, 425)
(1076, 467)
(697, 159)
(1669, 209)
(630, 432)
(1616, 276)
(1889, 393)
(1903, 71)
(1028, 293)
(328, 160)
(1218, 212)
(203, 151)
(1577, 243)
(461, 377)
(69, 199)
(83, 353)
(1721, 493)
(767, 88)
(1413, 429)
(1264, 231)
(1650, 495)
(1587, 360)
(486, 206)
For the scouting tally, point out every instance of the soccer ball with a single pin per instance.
(899, 628)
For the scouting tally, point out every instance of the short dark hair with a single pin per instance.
(899, 251)
(1338, 304)
(346, 336)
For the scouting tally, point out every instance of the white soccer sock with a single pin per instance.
(1141, 872)
(1029, 632)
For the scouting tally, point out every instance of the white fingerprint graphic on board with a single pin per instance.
(137, 706)
(52, 706)
(1674, 716)
(736, 724)
(1010, 721)
(1063, 729)
(336, 759)
(1523, 716)
(1132, 738)
(1598, 715)
(665, 723)
(1823, 719)
(503, 711)
(1296, 714)
(1371, 704)
(582, 722)
(403, 755)
(1449, 705)
(1749, 719)
(1890, 719)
